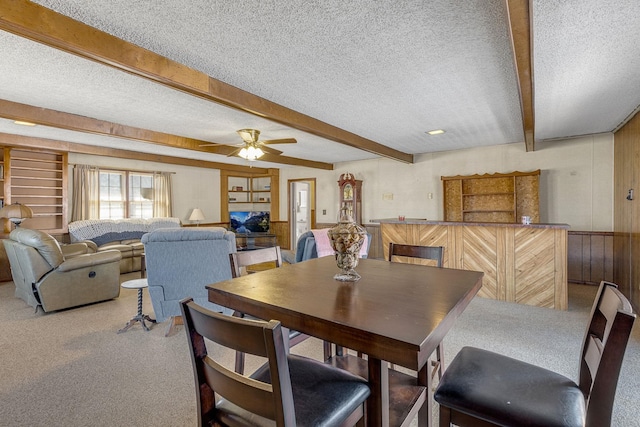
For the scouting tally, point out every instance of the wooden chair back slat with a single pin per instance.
(435, 253)
(226, 331)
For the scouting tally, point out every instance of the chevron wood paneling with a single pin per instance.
(416, 235)
(534, 267)
(479, 247)
(396, 233)
(433, 236)
(523, 264)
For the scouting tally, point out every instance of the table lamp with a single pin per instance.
(197, 216)
(16, 213)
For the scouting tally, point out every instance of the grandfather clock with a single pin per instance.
(350, 196)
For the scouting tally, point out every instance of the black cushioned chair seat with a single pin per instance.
(509, 392)
(323, 395)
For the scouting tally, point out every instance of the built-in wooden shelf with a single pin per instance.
(259, 192)
(494, 197)
(38, 179)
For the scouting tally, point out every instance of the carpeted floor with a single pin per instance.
(71, 368)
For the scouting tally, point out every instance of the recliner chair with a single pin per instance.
(180, 262)
(56, 277)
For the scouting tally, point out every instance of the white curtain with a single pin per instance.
(86, 193)
(162, 197)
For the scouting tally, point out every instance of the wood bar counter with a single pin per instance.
(526, 264)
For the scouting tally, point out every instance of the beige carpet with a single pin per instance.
(71, 368)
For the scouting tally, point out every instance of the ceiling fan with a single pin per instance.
(253, 148)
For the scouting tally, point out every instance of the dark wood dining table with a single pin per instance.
(395, 313)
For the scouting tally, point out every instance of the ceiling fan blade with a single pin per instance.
(211, 144)
(280, 141)
(249, 135)
(269, 150)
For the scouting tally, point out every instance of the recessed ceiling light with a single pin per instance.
(23, 123)
(436, 132)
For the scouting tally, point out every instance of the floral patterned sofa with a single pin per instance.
(122, 234)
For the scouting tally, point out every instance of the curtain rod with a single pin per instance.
(123, 170)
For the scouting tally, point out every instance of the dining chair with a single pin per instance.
(267, 258)
(435, 253)
(324, 395)
(270, 257)
(486, 388)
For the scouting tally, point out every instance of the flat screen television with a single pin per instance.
(245, 222)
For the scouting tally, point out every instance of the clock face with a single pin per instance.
(347, 192)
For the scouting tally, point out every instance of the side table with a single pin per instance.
(138, 284)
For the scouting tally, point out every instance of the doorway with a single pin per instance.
(302, 208)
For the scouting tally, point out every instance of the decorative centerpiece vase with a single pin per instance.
(346, 239)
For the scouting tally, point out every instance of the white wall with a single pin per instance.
(192, 187)
(576, 181)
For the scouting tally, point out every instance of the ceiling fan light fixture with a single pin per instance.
(251, 152)
(436, 132)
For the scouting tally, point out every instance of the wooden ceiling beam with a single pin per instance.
(520, 26)
(73, 122)
(20, 141)
(32, 21)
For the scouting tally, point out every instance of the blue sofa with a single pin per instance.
(181, 261)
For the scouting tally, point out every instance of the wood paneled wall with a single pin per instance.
(590, 257)
(281, 230)
(626, 222)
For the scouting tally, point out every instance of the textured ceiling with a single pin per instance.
(387, 70)
(586, 65)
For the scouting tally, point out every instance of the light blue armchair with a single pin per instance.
(181, 262)
(306, 248)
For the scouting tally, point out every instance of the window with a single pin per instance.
(125, 194)
(140, 195)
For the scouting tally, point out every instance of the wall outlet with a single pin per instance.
(324, 211)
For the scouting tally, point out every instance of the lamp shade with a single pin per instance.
(16, 212)
(146, 193)
(196, 215)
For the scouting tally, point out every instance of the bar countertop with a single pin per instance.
(418, 221)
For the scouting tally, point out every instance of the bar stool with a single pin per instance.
(138, 284)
